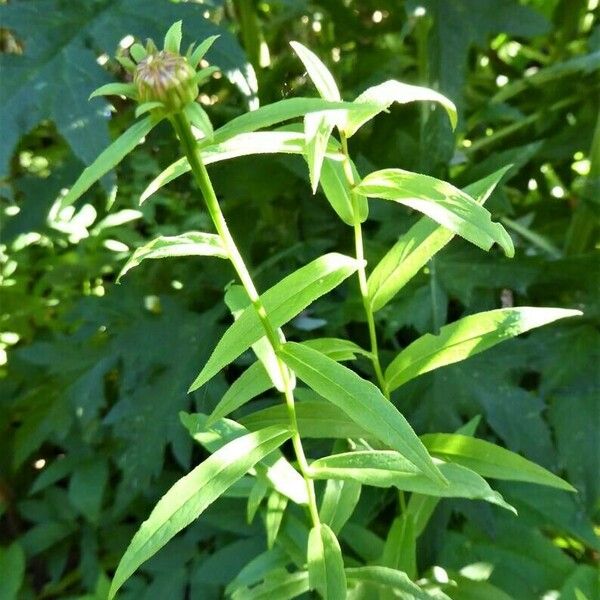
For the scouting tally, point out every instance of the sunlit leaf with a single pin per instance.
(339, 501)
(387, 578)
(173, 38)
(325, 563)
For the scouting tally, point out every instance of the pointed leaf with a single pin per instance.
(201, 50)
(109, 158)
(281, 585)
(361, 401)
(282, 303)
(325, 564)
(147, 107)
(467, 337)
(192, 494)
(490, 460)
(400, 550)
(173, 38)
(276, 505)
(387, 578)
(336, 348)
(318, 72)
(339, 501)
(199, 119)
(440, 201)
(193, 243)
(317, 131)
(386, 468)
(383, 95)
(416, 247)
(116, 89)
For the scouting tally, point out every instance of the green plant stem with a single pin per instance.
(190, 147)
(362, 273)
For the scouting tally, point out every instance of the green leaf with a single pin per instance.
(416, 247)
(201, 50)
(275, 468)
(142, 109)
(257, 494)
(109, 158)
(325, 563)
(336, 348)
(116, 89)
(282, 303)
(338, 193)
(317, 131)
(280, 585)
(137, 52)
(490, 460)
(400, 550)
(386, 468)
(467, 337)
(199, 119)
(12, 567)
(86, 488)
(276, 505)
(339, 501)
(361, 401)
(381, 96)
(193, 243)
(387, 578)
(316, 419)
(440, 201)
(318, 72)
(251, 383)
(173, 38)
(192, 494)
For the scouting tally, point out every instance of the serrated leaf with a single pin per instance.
(109, 158)
(362, 401)
(282, 303)
(386, 468)
(193, 243)
(173, 38)
(192, 494)
(440, 201)
(490, 460)
(466, 337)
(382, 96)
(416, 247)
(325, 563)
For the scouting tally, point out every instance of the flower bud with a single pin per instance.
(168, 78)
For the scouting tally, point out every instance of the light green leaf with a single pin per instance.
(317, 131)
(325, 563)
(12, 568)
(274, 468)
(109, 158)
(199, 119)
(316, 419)
(142, 109)
(416, 247)
(338, 193)
(386, 468)
(201, 50)
(276, 505)
(251, 383)
(173, 38)
(336, 348)
(257, 494)
(318, 72)
(283, 110)
(116, 89)
(381, 96)
(282, 302)
(339, 501)
(192, 494)
(193, 243)
(400, 550)
(385, 577)
(440, 201)
(467, 337)
(281, 585)
(361, 401)
(490, 460)
(137, 52)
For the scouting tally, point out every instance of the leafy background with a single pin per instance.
(93, 374)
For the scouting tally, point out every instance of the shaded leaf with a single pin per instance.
(325, 563)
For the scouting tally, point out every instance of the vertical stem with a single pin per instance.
(362, 273)
(190, 147)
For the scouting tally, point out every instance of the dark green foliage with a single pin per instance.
(96, 373)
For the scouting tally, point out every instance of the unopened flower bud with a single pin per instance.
(168, 78)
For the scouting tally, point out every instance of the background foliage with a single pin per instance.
(94, 374)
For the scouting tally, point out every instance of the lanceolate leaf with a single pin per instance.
(318, 72)
(383, 95)
(192, 494)
(193, 243)
(361, 401)
(337, 191)
(317, 131)
(416, 247)
(282, 303)
(390, 579)
(385, 468)
(467, 337)
(281, 585)
(440, 201)
(400, 547)
(116, 89)
(109, 158)
(490, 460)
(325, 564)
(339, 501)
